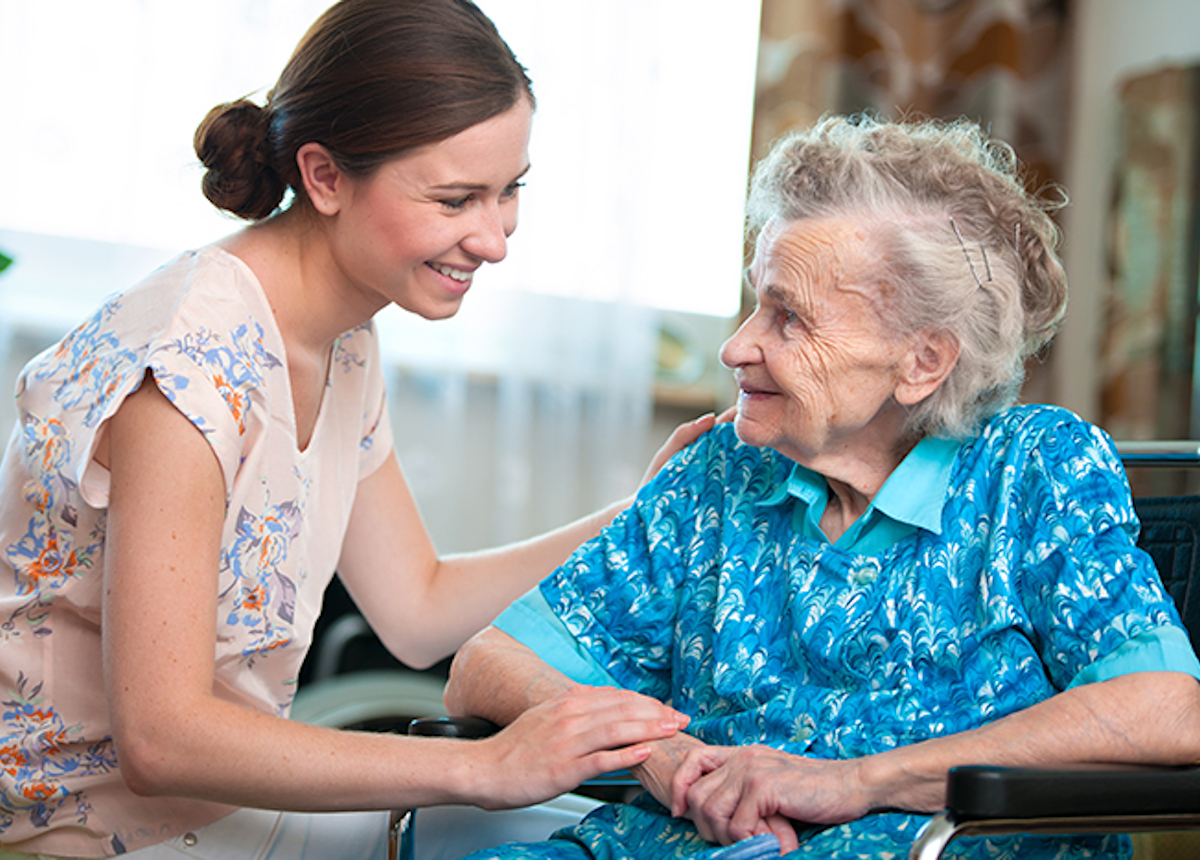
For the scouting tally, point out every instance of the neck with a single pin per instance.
(855, 476)
(292, 261)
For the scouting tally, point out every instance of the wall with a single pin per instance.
(1115, 38)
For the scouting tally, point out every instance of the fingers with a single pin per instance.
(687, 433)
(592, 730)
(568, 740)
(684, 435)
(695, 765)
(625, 758)
(784, 832)
(605, 718)
(730, 795)
(728, 415)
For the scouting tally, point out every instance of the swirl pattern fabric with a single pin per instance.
(704, 597)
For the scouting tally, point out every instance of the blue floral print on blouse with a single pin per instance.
(707, 599)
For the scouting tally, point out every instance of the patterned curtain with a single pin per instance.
(1150, 303)
(1003, 63)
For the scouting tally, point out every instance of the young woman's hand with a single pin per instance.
(556, 746)
(684, 435)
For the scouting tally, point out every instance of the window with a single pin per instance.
(640, 148)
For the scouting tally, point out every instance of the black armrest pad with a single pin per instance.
(997, 792)
(453, 727)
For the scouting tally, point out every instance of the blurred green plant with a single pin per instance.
(5, 261)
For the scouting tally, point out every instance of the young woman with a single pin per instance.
(193, 463)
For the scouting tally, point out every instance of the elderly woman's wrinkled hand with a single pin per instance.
(733, 793)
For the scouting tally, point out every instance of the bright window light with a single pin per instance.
(640, 148)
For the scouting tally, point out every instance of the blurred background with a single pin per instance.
(571, 362)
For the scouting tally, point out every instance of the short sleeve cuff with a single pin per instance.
(532, 622)
(1163, 649)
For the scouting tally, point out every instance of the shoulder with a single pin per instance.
(213, 320)
(1045, 459)
(719, 468)
(1053, 436)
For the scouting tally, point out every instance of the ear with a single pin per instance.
(928, 363)
(324, 182)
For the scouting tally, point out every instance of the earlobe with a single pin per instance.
(323, 179)
(933, 356)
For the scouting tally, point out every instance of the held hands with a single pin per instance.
(732, 793)
(577, 735)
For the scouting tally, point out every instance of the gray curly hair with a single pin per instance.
(965, 248)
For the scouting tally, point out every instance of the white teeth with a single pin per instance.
(451, 272)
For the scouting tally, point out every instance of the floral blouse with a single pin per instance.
(706, 595)
(202, 327)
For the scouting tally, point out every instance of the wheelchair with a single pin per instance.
(985, 800)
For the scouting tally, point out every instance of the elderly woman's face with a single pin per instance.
(815, 366)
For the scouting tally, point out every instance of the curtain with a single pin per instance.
(1003, 63)
(522, 412)
(534, 405)
(1148, 341)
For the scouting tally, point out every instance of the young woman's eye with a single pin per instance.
(458, 202)
(511, 190)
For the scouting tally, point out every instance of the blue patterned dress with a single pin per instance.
(705, 595)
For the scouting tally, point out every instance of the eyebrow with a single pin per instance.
(477, 186)
(779, 294)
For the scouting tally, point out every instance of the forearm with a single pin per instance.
(480, 585)
(217, 751)
(424, 607)
(1151, 718)
(496, 677)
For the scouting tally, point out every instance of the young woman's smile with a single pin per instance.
(416, 231)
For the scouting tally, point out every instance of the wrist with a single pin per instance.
(888, 780)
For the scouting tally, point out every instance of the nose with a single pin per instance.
(742, 347)
(488, 239)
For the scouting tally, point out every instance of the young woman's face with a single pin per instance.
(417, 229)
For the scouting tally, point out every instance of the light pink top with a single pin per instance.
(202, 325)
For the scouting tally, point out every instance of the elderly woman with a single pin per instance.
(884, 568)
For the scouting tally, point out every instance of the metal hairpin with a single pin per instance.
(987, 267)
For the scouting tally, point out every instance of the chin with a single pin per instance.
(441, 311)
(745, 430)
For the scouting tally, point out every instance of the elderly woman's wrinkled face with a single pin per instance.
(816, 368)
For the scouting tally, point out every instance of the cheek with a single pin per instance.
(805, 374)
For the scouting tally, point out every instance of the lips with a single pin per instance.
(750, 389)
(463, 276)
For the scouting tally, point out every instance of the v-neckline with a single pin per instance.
(273, 323)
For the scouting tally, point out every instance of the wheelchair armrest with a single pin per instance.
(983, 792)
(467, 728)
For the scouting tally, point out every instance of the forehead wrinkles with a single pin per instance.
(812, 253)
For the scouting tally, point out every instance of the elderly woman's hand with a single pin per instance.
(733, 793)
